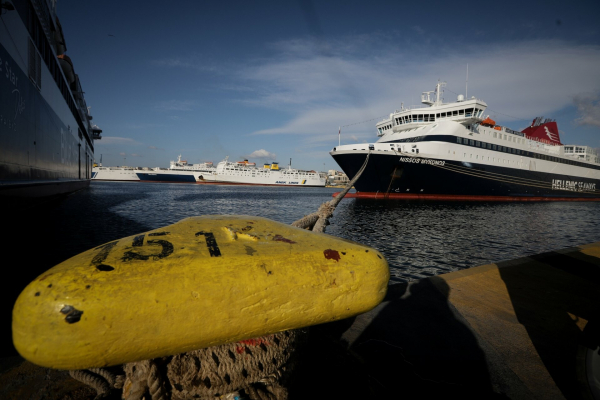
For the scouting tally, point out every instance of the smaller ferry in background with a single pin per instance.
(224, 173)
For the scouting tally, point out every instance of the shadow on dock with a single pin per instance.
(507, 330)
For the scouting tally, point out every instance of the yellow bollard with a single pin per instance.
(201, 282)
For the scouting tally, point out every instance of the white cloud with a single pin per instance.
(262, 154)
(366, 80)
(588, 108)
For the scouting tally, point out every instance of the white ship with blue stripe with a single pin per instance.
(224, 173)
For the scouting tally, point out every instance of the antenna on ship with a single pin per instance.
(467, 84)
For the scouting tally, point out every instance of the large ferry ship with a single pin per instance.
(224, 173)
(46, 133)
(450, 151)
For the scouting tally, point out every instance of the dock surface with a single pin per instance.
(507, 330)
(510, 330)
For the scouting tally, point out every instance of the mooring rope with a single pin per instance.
(318, 220)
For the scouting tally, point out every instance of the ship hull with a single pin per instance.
(409, 177)
(43, 150)
(215, 176)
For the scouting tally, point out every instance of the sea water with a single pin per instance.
(418, 238)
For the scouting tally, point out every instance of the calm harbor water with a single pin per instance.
(418, 239)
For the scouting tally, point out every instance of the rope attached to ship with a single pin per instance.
(255, 369)
(318, 220)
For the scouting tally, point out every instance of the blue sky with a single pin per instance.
(272, 81)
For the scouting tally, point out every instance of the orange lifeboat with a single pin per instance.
(488, 122)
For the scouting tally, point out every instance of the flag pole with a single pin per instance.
(339, 136)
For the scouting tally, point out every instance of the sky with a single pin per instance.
(274, 80)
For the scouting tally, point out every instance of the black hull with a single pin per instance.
(45, 150)
(403, 176)
(166, 178)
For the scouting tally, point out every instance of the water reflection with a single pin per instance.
(419, 239)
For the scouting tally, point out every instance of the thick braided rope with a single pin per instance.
(258, 366)
(317, 221)
(115, 381)
(156, 383)
(101, 386)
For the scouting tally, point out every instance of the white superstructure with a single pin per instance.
(450, 149)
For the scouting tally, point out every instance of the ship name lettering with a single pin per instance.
(573, 186)
(9, 74)
(415, 160)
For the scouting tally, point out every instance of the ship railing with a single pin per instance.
(44, 15)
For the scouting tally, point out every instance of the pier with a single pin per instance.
(514, 329)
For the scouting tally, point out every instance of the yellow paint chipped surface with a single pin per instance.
(201, 282)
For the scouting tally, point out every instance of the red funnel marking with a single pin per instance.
(545, 133)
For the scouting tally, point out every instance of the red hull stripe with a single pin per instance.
(409, 196)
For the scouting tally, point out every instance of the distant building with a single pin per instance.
(337, 178)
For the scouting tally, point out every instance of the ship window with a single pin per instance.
(454, 113)
(469, 112)
(461, 112)
(443, 115)
(471, 142)
(458, 140)
(489, 146)
(437, 115)
(494, 134)
(477, 143)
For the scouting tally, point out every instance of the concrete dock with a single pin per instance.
(510, 330)
(506, 330)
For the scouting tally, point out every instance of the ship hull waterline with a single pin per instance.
(386, 176)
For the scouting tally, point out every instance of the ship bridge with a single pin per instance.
(463, 111)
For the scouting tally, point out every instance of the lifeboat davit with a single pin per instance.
(67, 66)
